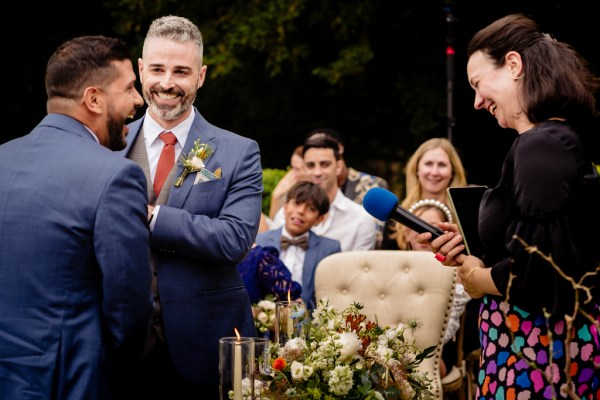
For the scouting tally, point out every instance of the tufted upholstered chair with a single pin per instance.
(394, 286)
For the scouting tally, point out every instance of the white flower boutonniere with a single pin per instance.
(194, 162)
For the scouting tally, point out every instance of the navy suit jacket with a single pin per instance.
(74, 262)
(319, 247)
(200, 235)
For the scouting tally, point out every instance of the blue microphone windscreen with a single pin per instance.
(380, 202)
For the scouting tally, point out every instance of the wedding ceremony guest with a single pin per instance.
(74, 256)
(205, 210)
(538, 279)
(300, 249)
(345, 221)
(354, 184)
(430, 171)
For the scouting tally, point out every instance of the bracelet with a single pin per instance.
(466, 282)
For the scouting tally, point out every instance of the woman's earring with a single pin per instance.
(513, 72)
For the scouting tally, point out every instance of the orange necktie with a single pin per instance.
(166, 160)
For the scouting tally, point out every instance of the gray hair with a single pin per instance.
(175, 28)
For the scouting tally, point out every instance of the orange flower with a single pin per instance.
(279, 364)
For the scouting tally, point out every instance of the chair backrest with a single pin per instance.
(394, 286)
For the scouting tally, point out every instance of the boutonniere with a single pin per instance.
(194, 162)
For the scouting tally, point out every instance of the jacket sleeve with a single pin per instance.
(121, 243)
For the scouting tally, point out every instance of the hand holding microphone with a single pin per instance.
(383, 205)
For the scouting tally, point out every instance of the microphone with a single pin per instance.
(383, 205)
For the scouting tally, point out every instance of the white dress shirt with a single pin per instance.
(293, 257)
(154, 146)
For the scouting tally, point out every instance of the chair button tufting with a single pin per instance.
(344, 291)
(366, 268)
(382, 296)
(421, 292)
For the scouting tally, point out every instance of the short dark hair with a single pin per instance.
(321, 140)
(309, 192)
(82, 62)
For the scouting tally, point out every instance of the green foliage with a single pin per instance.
(271, 177)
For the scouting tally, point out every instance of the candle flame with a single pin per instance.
(237, 334)
(289, 297)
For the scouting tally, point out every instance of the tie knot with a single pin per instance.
(301, 242)
(168, 138)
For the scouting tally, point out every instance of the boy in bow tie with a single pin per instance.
(300, 249)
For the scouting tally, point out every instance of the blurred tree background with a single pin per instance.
(375, 70)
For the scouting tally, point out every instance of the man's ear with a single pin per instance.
(93, 100)
(338, 168)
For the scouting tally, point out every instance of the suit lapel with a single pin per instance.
(178, 195)
(139, 155)
(310, 259)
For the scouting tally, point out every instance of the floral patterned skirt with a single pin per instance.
(523, 355)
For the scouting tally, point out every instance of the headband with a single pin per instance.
(434, 203)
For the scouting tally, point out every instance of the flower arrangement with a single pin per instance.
(344, 356)
(194, 162)
(264, 314)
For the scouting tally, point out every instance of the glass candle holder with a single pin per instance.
(290, 321)
(236, 367)
(262, 365)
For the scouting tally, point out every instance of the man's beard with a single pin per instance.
(116, 140)
(169, 113)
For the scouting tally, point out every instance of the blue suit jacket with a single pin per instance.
(319, 247)
(199, 237)
(74, 262)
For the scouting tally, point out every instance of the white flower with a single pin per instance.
(297, 370)
(296, 343)
(266, 305)
(384, 352)
(300, 371)
(308, 371)
(293, 349)
(196, 162)
(340, 380)
(262, 317)
(350, 344)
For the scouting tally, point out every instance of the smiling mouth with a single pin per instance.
(166, 96)
(492, 109)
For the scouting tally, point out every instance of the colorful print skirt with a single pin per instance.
(523, 355)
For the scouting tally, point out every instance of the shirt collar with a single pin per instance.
(152, 128)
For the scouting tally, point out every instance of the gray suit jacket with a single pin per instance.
(200, 235)
(319, 247)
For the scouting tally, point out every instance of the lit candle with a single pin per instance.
(237, 368)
